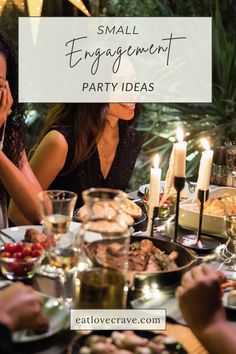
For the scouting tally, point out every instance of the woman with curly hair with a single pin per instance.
(16, 176)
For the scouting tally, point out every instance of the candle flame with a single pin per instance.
(179, 134)
(156, 161)
(205, 144)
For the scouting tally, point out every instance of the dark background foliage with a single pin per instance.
(158, 122)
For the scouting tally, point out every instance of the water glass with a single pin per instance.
(104, 242)
(57, 207)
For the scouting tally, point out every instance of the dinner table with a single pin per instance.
(62, 342)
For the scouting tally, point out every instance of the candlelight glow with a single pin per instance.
(179, 134)
(205, 144)
(156, 161)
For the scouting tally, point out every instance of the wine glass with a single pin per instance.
(57, 207)
(229, 256)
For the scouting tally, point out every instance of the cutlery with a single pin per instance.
(2, 233)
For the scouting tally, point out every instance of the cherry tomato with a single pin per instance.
(37, 246)
(17, 255)
(6, 254)
(19, 247)
(26, 251)
(36, 253)
(18, 269)
(10, 247)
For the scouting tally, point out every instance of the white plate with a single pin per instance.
(225, 301)
(18, 233)
(58, 320)
(184, 194)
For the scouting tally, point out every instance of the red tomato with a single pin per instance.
(6, 254)
(10, 247)
(19, 247)
(36, 253)
(17, 255)
(18, 269)
(37, 246)
(26, 251)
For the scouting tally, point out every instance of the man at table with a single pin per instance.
(200, 302)
(20, 308)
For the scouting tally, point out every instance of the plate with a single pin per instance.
(225, 301)
(18, 232)
(185, 194)
(137, 221)
(173, 347)
(58, 320)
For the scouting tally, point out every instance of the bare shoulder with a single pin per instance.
(52, 147)
(56, 139)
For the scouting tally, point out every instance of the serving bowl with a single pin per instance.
(20, 260)
(212, 224)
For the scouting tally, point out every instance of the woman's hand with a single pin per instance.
(6, 102)
(200, 297)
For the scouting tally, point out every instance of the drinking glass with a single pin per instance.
(57, 207)
(228, 255)
(104, 243)
(231, 165)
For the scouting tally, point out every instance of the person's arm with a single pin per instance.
(49, 158)
(18, 215)
(46, 163)
(200, 302)
(21, 189)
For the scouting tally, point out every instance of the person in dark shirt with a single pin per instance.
(86, 145)
(20, 308)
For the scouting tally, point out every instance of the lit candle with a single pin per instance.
(180, 154)
(155, 183)
(204, 173)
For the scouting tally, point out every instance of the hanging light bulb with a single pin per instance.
(35, 7)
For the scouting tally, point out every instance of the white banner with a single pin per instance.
(118, 319)
(118, 59)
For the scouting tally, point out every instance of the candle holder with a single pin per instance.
(199, 242)
(154, 215)
(179, 183)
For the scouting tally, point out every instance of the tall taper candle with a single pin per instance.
(155, 183)
(180, 154)
(204, 173)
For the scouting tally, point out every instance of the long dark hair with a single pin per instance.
(15, 127)
(86, 122)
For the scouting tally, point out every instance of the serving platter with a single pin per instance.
(212, 224)
(185, 260)
(172, 346)
(58, 320)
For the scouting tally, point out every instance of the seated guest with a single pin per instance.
(87, 145)
(200, 301)
(20, 308)
(16, 176)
